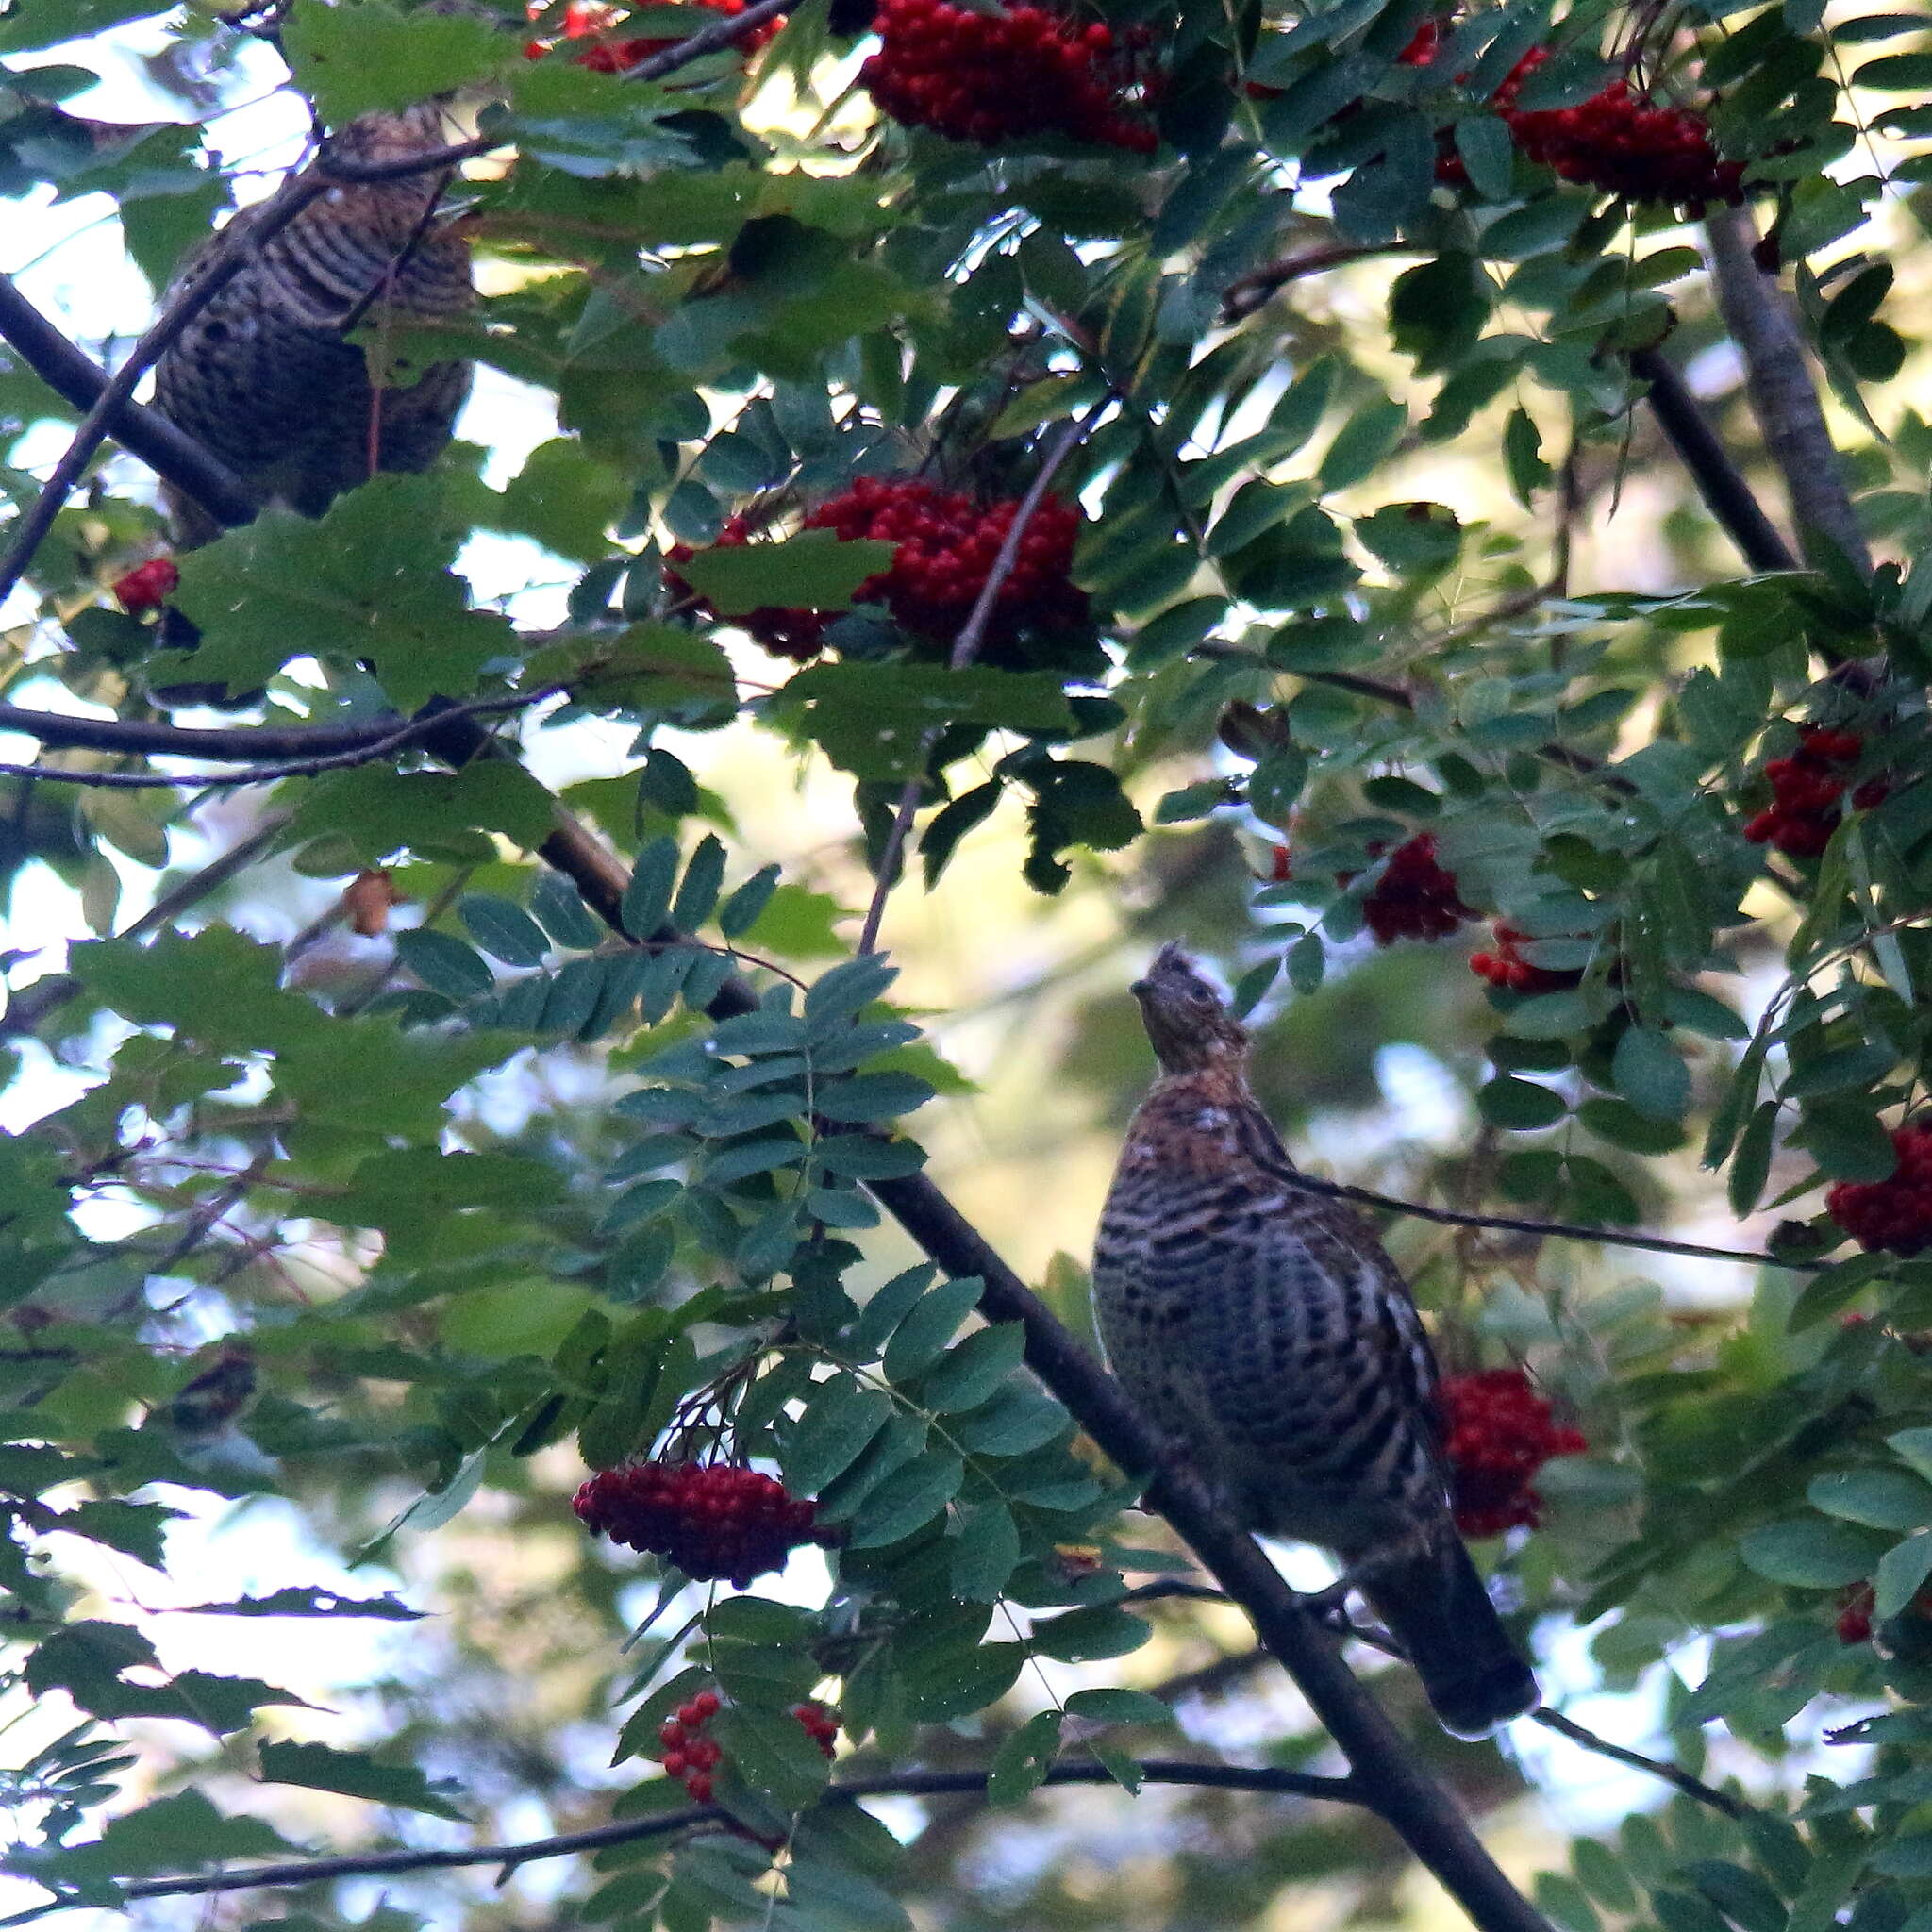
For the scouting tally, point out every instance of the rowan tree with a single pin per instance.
(558, 1165)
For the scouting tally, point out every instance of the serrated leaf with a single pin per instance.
(357, 1774)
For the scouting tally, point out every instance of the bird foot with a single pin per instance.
(1329, 1606)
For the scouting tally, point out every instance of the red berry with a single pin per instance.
(147, 586)
(947, 544)
(709, 1519)
(1506, 966)
(1414, 898)
(988, 77)
(1894, 1215)
(1497, 1432)
(1855, 1614)
(705, 1702)
(699, 1785)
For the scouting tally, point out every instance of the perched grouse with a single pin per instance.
(265, 374)
(1263, 1327)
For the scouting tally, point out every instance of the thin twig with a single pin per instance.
(726, 33)
(410, 732)
(1259, 286)
(966, 648)
(923, 1784)
(1777, 374)
(1690, 1786)
(26, 1010)
(1558, 1230)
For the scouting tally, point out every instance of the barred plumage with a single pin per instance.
(264, 376)
(1265, 1329)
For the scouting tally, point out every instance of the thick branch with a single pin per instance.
(917, 1784)
(1777, 372)
(1725, 494)
(281, 208)
(79, 380)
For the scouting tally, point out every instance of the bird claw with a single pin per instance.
(1329, 1606)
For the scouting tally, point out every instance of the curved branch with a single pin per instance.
(918, 1784)
(1558, 1230)
(368, 744)
(1777, 372)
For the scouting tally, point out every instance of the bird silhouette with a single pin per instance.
(1264, 1329)
(265, 374)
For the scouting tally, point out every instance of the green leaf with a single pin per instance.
(1810, 1554)
(647, 897)
(1024, 1759)
(907, 1500)
(1085, 1636)
(816, 570)
(870, 720)
(443, 963)
(1111, 1706)
(740, 911)
(503, 929)
(370, 58)
(698, 892)
(1520, 1105)
(1902, 1574)
(1879, 1498)
(840, 1419)
(1650, 1075)
(921, 1337)
(357, 1774)
(985, 1552)
(969, 1372)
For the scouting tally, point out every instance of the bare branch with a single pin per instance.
(1692, 1787)
(369, 744)
(1777, 372)
(920, 1784)
(79, 380)
(726, 33)
(1718, 481)
(1256, 289)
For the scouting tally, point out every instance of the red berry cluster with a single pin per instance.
(693, 1759)
(583, 21)
(1617, 140)
(1806, 790)
(1414, 899)
(1856, 1603)
(688, 1754)
(1497, 1433)
(948, 546)
(711, 1520)
(991, 77)
(1506, 966)
(147, 586)
(1280, 865)
(1893, 1215)
(821, 1726)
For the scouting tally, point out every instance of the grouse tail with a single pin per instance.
(1438, 1609)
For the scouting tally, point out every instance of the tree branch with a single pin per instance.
(369, 744)
(78, 381)
(726, 33)
(919, 1784)
(1256, 289)
(1718, 481)
(281, 208)
(1777, 374)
